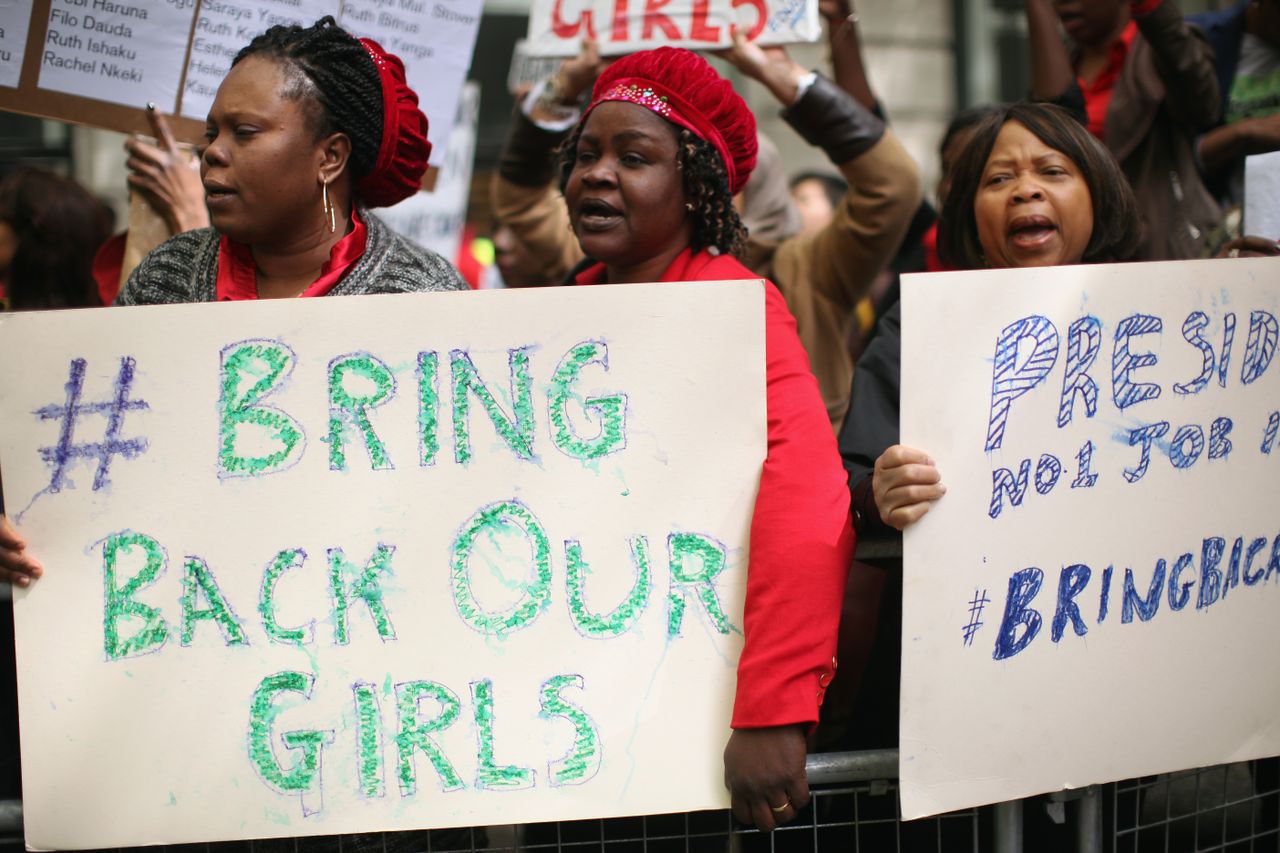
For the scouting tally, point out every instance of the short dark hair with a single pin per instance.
(1116, 228)
(965, 119)
(328, 64)
(706, 186)
(833, 185)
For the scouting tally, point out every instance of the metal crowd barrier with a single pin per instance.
(1231, 808)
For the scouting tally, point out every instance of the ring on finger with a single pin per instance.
(782, 808)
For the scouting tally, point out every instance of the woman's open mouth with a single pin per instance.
(597, 215)
(1031, 232)
(216, 194)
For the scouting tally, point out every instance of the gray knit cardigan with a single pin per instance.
(184, 268)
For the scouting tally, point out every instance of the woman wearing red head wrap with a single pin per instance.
(649, 176)
(311, 127)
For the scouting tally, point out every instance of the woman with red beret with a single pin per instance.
(649, 175)
(310, 128)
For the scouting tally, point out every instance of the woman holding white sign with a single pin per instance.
(649, 175)
(1033, 188)
(311, 127)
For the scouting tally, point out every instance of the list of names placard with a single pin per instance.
(223, 28)
(15, 15)
(435, 38)
(120, 51)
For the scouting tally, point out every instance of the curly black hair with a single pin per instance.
(706, 186)
(330, 70)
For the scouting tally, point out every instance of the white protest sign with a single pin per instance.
(223, 27)
(120, 51)
(557, 27)
(436, 219)
(1097, 596)
(435, 39)
(336, 565)
(15, 17)
(1262, 195)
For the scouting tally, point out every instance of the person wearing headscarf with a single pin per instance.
(822, 276)
(311, 128)
(648, 176)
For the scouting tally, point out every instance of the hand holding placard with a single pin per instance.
(462, 589)
(167, 176)
(1109, 435)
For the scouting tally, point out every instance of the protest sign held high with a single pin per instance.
(1096, 595)
(379, 563)
(557, 27)
(99, 62)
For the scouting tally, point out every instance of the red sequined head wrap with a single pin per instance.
(684, 89)
(403, 152)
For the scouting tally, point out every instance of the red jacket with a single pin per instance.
(801, 535)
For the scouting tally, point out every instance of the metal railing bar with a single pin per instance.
(1009, 827)
(1089, 821)
(11, 817)
(868, 766)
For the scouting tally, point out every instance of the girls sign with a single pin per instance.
(1102, 579)
(557, 27)
(357, 564)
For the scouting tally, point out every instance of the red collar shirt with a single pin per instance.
(1097, 94)
(238, 274)
(801, 534)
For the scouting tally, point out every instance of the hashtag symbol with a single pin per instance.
(980, 601)
(61, 455)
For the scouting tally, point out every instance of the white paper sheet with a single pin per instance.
(15, 17)
(1065, 630)
(435, 40)
(129, 740)
(121, 51)
(1262, 195)
(226, 26)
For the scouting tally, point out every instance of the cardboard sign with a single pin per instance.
(1097, 596)
(99, 62)
(557, 27)
(360, 564)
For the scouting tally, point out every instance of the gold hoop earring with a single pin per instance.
(329, 213)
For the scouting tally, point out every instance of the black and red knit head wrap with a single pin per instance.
(684, 89)
(404, 150)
